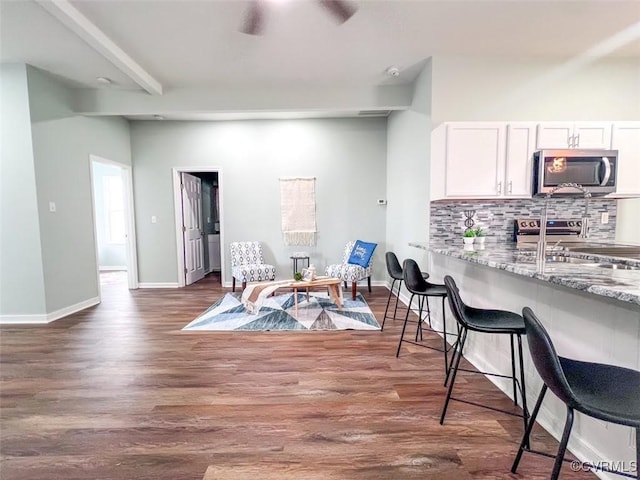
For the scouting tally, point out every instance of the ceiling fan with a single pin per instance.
(341, 10)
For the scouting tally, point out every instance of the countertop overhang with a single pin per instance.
(622, 285)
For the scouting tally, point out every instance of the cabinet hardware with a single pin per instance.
(499, 188)
(510, 187)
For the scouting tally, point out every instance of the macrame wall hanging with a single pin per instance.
(298, 206)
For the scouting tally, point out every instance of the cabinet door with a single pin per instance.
(554, 135)
(592, 135)
(626, 139)
(520, 147)
(474, 161)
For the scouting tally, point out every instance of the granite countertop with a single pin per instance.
(623, 285)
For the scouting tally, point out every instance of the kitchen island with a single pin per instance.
(592, 313)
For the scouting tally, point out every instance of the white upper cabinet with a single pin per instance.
(474, 156)
(626, 139)
(574, 135)
(521, 143)
(483, 160)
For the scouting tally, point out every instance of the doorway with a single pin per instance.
(114, 230)
(199, 233)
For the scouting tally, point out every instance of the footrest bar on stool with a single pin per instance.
(487, 407)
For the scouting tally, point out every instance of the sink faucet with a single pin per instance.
(542, 239)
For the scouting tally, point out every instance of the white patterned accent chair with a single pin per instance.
(348, 272)
(247, 264)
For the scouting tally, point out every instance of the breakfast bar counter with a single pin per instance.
(591, 311)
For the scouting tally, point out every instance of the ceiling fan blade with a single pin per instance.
(253, 18)
(340, 9)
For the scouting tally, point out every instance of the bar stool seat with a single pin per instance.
(601, 391)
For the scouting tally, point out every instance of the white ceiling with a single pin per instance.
(185, 44)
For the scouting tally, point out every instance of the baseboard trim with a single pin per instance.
(112, 268)
(158, 285)
(42, 319)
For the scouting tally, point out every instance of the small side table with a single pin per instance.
(299, 258)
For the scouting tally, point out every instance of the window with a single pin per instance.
(114, 209)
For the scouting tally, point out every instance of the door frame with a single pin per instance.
(129, 219)
(179, 221)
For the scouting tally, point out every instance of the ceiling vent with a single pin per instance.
(374, 113)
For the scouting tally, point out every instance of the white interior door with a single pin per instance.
(192, 228)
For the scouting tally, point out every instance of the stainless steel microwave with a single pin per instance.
(595, 170)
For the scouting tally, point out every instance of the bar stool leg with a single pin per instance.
(420, 305)
(456, 363)
(384, 319)
(395, 309)
(527, 432)
(563, 444)
(404, 326)
(444, 337)
(513, 371)
(523, 388)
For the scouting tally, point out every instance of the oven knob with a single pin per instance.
(572, 224)
(523, 224)
(532, 224)
(579, 223)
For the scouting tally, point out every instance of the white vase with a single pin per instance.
(468, 240)
(479, 240)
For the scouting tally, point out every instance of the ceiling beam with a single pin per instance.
(99, 41)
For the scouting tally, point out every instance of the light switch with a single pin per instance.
(154, 219)
(604, 217)
(52, 206)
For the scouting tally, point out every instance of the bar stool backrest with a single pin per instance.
(456, 304)
(413, 279)
(393, 266)
(546, 359)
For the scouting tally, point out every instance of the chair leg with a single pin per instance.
(369, 283)
(419, 328)
(444, 338)
(244, 285)
(345, 285)
(457, 356)
(523, 387)
(354, 290)
(513, 371)
(395, 309)
(384, 319)
(404, 326)
(527, 432)
(563, 444)
(233, 284)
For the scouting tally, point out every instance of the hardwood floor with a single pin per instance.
(119, 392)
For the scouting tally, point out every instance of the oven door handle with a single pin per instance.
(607, 171)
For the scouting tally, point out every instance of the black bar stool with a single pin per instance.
(418, 286)
(395, 272)
(598, 390)
(485, 321)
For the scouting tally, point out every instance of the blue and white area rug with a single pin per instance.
(278, 313)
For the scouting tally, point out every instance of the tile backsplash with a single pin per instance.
(497, 217)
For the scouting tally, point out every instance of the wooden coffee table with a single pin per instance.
(332, 284)
(255, 293)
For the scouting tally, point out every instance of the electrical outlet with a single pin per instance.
(382, 201)
(52, 206)
(604, 217)
(154, 219)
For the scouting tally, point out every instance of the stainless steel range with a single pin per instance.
(527, 230)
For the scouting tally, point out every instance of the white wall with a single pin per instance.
(62, 145)
(109, 254)
(347, 157)
(408, 146)
(21, 275)
(484, 88)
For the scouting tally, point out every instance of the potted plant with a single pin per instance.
(468, 236)
(480, 236)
